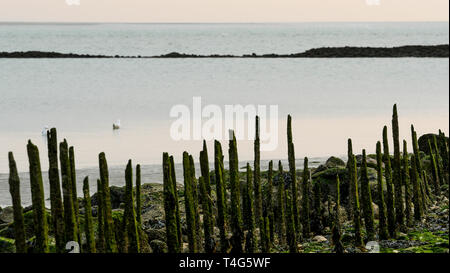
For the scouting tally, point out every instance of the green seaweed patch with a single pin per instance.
(7, 245)
(316, 247)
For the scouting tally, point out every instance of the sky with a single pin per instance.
(147, 11)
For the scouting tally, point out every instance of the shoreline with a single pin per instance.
(417, 51)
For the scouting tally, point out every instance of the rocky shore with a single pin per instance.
(428, 236)
(418, 51)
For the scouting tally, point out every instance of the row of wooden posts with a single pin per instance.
(239, 210)
(65, 215)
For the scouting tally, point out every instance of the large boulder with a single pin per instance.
(156, 234)
(117, 196)
(370, 161)
(327, 180)
(331, 163)
(158, 246)
(334, 162)
(6, 215)
(423, 142)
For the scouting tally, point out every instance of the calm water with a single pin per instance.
(329, 99)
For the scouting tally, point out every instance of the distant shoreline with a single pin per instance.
(417, 51)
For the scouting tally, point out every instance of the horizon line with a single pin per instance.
(212, 22)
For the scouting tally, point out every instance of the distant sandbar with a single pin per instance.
(418, 51)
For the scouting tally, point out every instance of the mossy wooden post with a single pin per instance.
(269, 206)
(110, 240)
(138, 196)
(196, 197)
(204, 169)
(173, 243)
(390, 198)
(317, 220)
(438, 159)
(257, 176)
(189, 204)
(351, 194)
(207, 217)
(55, 192)
(382, 226)
(329, 220)
(38, 199)
(88, 222)
(249, 221)
(129, 216)
(434, 170)
(100, 226)
(306, 182)
(417, 194)
(281, 205)
(407, 185)
(426, 184)
(418, 168)
(336, 230)
(206, 197)
(290, 226)
(235, 211)
(293, 173)
(70, 226)
(177, 205)
(207, 205)
(356, 210)
(266, 238)
(221, 196)
(73, 180)
(397, 174)
(14, 190)
(367, 200)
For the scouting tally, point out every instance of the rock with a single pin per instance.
(154, 223)
(319, 239)
(371, 162)
(319, 169)
(423, 142)
(334, 162)
(28, 208)
(117, 196)
(156, 234)
(158, 246)
(400, 244)
(7, 231)
(7, 215)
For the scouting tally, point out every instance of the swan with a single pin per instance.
(116, 125)
(45, 130)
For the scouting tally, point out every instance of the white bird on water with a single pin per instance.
(116, 125)
(45, 130)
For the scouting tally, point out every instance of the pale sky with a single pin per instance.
(222, 10)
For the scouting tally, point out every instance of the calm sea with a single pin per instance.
(330, 99)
